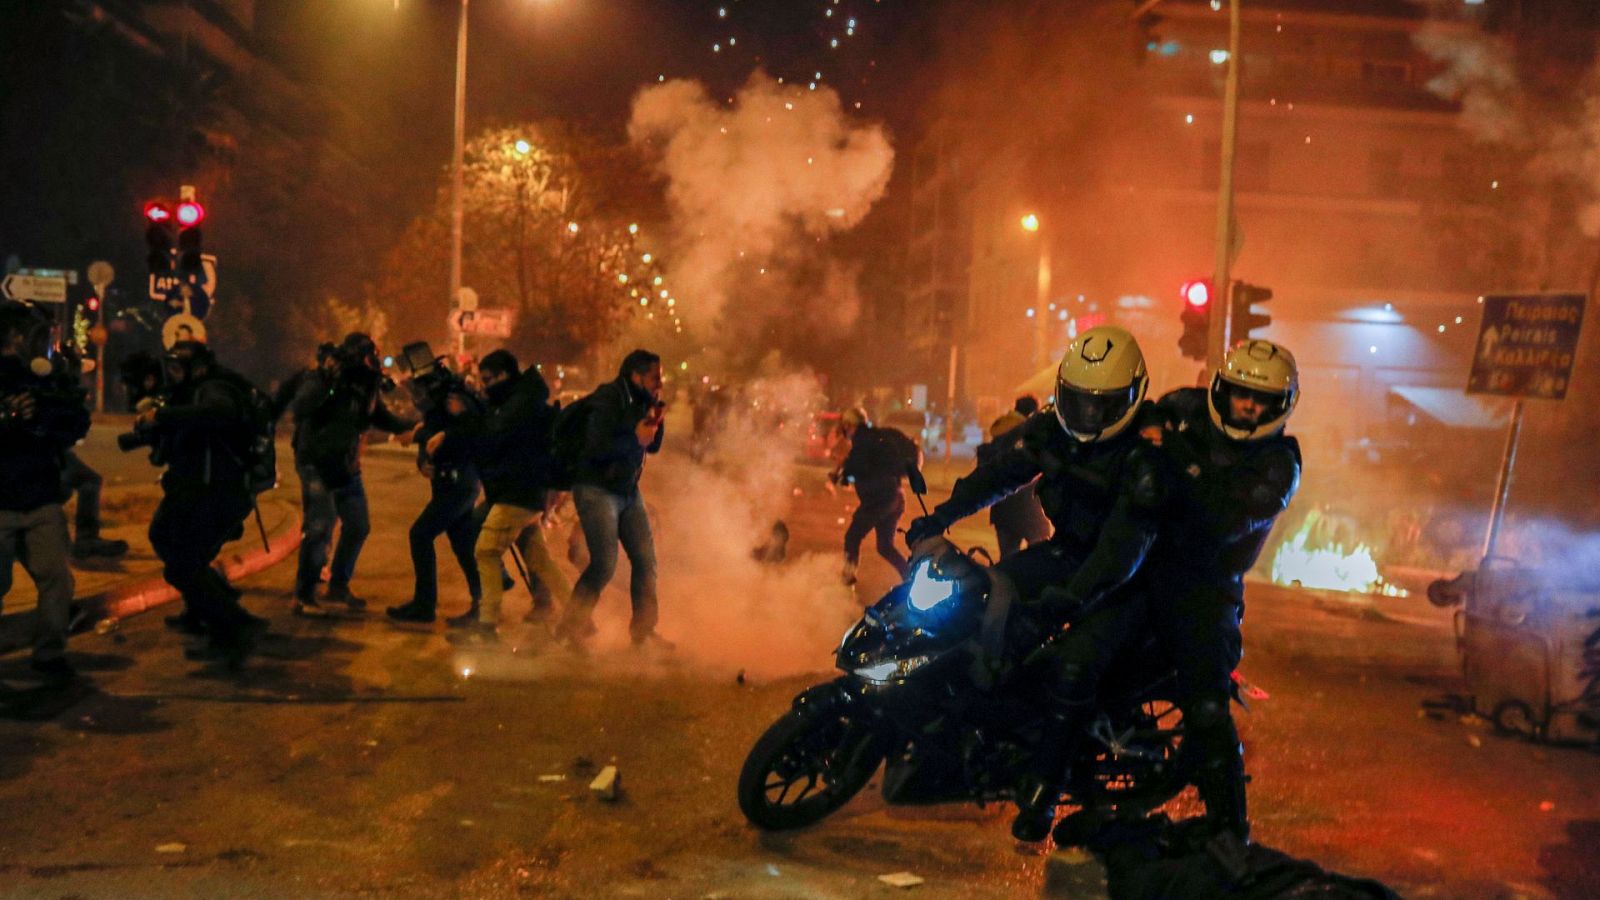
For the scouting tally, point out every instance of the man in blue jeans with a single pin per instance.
(332, 410)
(624, 422)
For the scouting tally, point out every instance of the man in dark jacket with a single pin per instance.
(876, 466)
(1238, 472)
(624, 422)
(446, 444)
(1104, 489)
(514, 459)
(39, 421)
(333, 409)
(203, 432)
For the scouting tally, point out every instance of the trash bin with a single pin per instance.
(1530, 649)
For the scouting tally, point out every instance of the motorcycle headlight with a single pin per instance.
(891, 669)
(927, 591)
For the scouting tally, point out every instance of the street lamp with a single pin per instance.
(456, 201)
(1031, 224)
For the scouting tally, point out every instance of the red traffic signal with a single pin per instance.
(190, 213)
(92, 304)
(157, 213)
(1196, 318)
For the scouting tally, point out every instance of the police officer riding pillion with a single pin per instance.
(1234, 471)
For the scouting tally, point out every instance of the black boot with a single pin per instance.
(1036, 811)
(1036, 802)
(411, 612)
(1222, 788)
(187, 622)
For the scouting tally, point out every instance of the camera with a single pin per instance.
(433, 380)
(140, 436)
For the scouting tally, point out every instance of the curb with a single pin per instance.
(142, 596)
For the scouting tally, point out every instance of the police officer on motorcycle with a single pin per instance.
(1234, 472)
(1104, 489)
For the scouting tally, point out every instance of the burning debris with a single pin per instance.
(1312, 559)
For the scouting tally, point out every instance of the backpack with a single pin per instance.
(259, 453)
(901, 446)
(567, 438)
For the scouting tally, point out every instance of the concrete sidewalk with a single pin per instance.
(132, 584)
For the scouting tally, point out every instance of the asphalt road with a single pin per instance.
(356, 757)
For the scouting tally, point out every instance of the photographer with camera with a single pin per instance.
(514, 457)
(39, 421)
(624, 420)
(446, 440)
(333, 409)
(202, 432)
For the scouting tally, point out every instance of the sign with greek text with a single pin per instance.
(1526, 345)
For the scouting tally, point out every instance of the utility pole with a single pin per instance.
(1222, 284)
(456, 200)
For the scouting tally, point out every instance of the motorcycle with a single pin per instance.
(924, 691)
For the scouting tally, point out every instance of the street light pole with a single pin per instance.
(1032, 225)
(456, 212)
(1041, 349)
(1222, 286)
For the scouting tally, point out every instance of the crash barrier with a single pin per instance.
(1530, 648)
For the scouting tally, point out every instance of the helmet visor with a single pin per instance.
(1091, 412)
(1245, 407)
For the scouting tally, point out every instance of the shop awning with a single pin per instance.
(1454, 408)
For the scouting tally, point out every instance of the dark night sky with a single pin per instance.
(583, 60)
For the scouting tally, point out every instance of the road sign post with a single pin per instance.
(486, 322)
(100, 275)
(34, 288)
(1526, 346)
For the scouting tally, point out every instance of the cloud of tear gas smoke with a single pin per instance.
(755, 185)
(726, 610)
(1563, 138)
(1480, 74)
(1563, 556)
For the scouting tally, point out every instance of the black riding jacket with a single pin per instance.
(1104, 498)
(1226, 493)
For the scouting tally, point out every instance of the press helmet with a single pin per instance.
(1100, 384)
(1260, 370)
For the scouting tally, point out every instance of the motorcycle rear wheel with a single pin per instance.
(804, 767)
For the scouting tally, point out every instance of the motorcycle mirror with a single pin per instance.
(919, 485)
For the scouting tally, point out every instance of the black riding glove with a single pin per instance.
(923, 528)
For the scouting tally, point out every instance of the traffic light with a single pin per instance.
(189, 215)
(91, 308)
(1242, 315)
(1196, 318)
(159, 235)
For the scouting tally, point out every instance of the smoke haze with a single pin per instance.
(755, 186)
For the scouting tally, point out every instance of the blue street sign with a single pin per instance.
(1526, 345)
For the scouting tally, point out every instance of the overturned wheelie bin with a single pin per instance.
(1530, 647)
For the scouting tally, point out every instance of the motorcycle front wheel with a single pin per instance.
(804, 767)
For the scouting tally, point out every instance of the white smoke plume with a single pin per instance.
(1480, 74)
(755, 185)
(727, 610)
(1561, 135)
